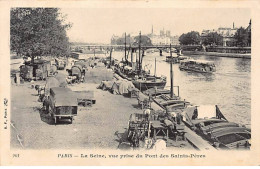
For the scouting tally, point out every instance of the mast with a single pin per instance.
(125, 47)
(110, 57)
(154, 67)
(139, 62)
(131, 56)
(171, 72)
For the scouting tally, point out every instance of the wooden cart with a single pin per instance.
(62, 104)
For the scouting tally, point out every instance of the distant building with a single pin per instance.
(117, 40)
(161, 38)
(227, 34)
(175, 40)
(164, 38)
(168, 33)
(162, 33)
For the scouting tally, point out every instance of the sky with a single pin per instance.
(97, 25)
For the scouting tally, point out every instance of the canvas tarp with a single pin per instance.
(106, 85)
(58, 81)
(64, 97)
(62, 80)
(76, 70)
(122, 87)
(97, 75)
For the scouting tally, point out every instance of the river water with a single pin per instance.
(229, 87)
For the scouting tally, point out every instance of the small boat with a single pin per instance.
(200, 66)
(172, 59)
(163, 98)
(148, 82)
(155, 92)
(181, 57)
(208, 122)
(141, 79)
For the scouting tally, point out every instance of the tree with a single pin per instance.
(190, 38)
(122, 40)
(38, 32)
(145, 40)
(242, 37)
(213, 38)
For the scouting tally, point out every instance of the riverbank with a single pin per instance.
(93, 127)
(103, 125)
(217, 54)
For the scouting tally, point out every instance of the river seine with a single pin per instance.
(229, 87)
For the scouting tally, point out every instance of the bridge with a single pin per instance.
(127, 47)
(107, 46)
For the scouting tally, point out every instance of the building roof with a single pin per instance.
(223, 31)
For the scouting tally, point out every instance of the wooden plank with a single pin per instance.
(197, 141)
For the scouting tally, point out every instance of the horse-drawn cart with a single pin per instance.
(62, 104)
(76, 73)
(39, 69)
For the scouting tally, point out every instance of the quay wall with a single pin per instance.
(230, 55)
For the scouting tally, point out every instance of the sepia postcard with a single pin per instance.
(154, 83)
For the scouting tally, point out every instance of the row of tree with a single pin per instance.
(242, 37)
(38, 32)
(134, 41)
